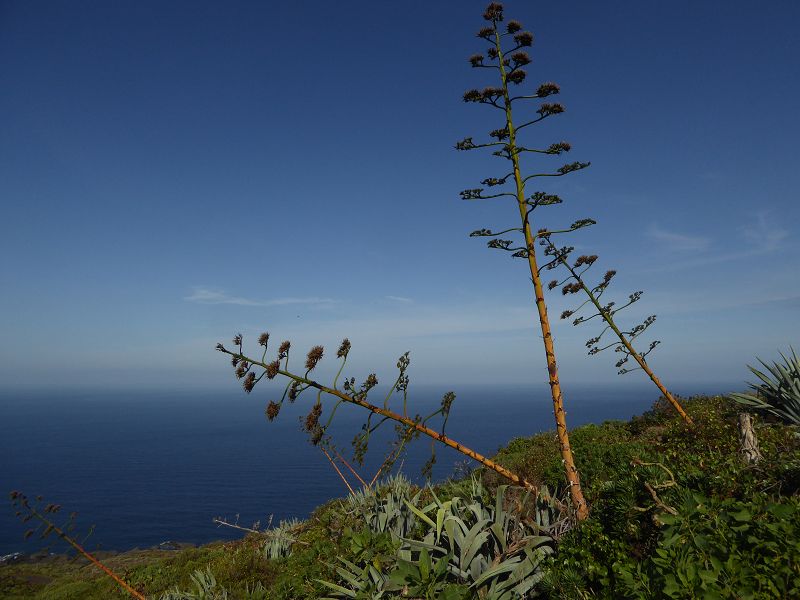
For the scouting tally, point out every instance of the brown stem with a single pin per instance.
(410, 423)
(64, 536)
(347, 483)
(352, 470)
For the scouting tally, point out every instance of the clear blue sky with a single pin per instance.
(174, 172)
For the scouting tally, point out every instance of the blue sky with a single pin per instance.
(172, 173)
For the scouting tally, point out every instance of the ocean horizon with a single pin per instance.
(148, 467)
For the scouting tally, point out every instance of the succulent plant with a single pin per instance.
(365, 582)
(385, 508)
(281, 538)
(492, 549)
(778, 395)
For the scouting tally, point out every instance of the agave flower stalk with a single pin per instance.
(508, 65)
(407, 426)
(28, 511)
(575, 282)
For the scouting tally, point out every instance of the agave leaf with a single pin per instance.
(420, 513)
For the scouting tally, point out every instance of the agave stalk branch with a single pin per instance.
(32, 511)
(608, 317)
(571, 471)
(338, 471)
(410, 424)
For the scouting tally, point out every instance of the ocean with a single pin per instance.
(150, 467)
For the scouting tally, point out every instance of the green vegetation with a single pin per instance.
(674, 514)
(779, 394)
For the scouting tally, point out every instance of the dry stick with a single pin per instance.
(223, 522)
(410, 423)
(609, 319)
(64, 536)
(571, 471)
(337, 470)
(352, 470)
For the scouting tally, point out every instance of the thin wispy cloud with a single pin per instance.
(202, 295)
(762, 235)
(399, 299)
(679, 242)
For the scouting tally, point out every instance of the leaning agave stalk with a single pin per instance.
(606, 313)
(408, 427)
(778, 395)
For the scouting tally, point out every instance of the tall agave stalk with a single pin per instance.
(508, 65)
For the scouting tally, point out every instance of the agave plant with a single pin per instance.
(281, 538)
(778, 395)
(385, 508)
(365, 582)
(492, 549)
(205, 588)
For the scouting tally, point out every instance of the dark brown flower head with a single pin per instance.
(273, 408)
(237, 339)
(493, 12)
(234, 360)
(517, 76)
(344, 349)
(316, 435)
(490, 93)
(403, 362)
(263, 339)
(447, 401)
(476, 60)
(283, 349)
(486, 32)
(220, 348)
(552, 285)
(585, 260)
(566, 314)
(312, 418)
(548, 89)
(559, 147)
(294, 391)
(314, 356)
(472, 96)
(370, 382)
(499, 134)
(466, 143)
(576, 166)
(241, 370)
(524, 38)
(513, 26)
(521, 58)
(571, 288)
(491, 52)
(249, 382)
(272, 369)
(545, 110)
(608, 276)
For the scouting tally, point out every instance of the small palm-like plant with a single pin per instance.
(778, 395)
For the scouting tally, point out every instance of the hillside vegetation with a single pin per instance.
(675, 512)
